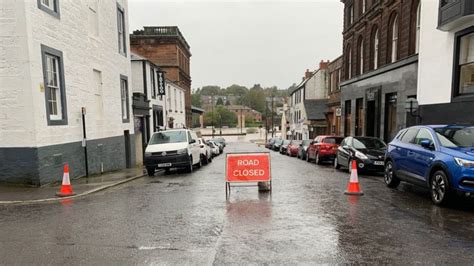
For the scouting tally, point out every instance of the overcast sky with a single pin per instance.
(246, 42)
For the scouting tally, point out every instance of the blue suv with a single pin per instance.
(439, 157)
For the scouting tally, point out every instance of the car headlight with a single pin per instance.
(182, 151)
(360, 155)
(463, 162)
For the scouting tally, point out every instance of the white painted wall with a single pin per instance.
(317, 85)
(175, 104)
(435, 64)
(22, 102)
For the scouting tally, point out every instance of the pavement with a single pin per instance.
(11, 194)
(185, 219)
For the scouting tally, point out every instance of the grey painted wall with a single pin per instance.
(43, 165)
(401, 80)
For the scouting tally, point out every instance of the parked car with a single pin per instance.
(269, 143)
(176, 148)
(293, 147)
(277, 144)
(206, 153)
(368, 152)
(214, 148)
(284, 146)
(323, 148)
(218, 145)
(220, 141)
(303, 148)
(438, 157)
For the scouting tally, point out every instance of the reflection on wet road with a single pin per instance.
(185, 219)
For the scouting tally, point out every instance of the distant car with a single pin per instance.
(206, 153)
(269, 143)
(303, 148)
(323, 148)
(438, 157)
(218, 145)
(214, 148)
(277, 144)
(284, 146)
(176, 148)
(220, 141)
(368, 152)
(293, 147)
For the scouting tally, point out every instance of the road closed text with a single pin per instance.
(248, 167)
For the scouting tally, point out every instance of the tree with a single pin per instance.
(221, 117)
(220, 101)
(255, 99)
(196, 100)
(237, 90)
(211, 90)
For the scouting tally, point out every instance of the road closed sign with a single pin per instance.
(248, 167)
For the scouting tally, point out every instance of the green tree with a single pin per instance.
(211, 90)
(196, 100)
(221, 117)
(255, 99)
(220, 101)
(237, 90)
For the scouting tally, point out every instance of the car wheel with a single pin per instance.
(307, 157)
(390, 179)
(439, 188)
(336, 163)
(189, 167)
(167, 171)
(150, 171)
(317, 160)
(210, 158)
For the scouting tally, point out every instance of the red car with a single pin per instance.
(323, 148)
(293, 148)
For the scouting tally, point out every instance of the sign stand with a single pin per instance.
(248, 168)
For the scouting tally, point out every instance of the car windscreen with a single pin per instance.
(286, 142)
(368, 144)
(168, 137)
(456, 137)
(333, 140)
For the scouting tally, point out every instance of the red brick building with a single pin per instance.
(380, 65)
(167, 48)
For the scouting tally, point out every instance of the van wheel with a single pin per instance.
(150, 171)
(390, 178)
(189, 167)
(439, 188)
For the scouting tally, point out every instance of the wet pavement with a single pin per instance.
(185, 219)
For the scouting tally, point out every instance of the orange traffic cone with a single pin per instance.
(66, 188)
(353, 187)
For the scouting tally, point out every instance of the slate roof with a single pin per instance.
(315, 109)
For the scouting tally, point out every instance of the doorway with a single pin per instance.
(371, 121)
(347, 118)
(390, 116)
(359, 125)
(128, 152)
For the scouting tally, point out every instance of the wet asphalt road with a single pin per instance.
(185, 219)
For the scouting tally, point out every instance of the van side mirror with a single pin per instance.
(192, 141)
(345, 147)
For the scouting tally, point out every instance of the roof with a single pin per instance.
(315, 109)
(240, 107)
(198, 110)
(135, 56)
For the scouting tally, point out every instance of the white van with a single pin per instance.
(174, 148)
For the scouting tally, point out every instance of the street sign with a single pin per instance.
(248, 167)
(161, 83)
(338, 111)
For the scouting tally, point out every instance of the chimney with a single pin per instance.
(307, 74)
(323, 64)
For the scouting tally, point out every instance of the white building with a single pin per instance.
(308, 104)
(57, 59)
(446, 62)
(175, 114)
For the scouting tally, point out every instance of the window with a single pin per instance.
(423, 134)
(99, 103)
(361, 56)
(394, 42)
(121, 30)
(124, 99)
(169, 97)
(363, 6)
(53, 78)
(153, 83)
(49, 6)
(175, 100)
(93, 18)
(409, 135)
(418, 26)
(465, 66)
(349, 63)
(351, 14)
(181, 101)
(376, 49)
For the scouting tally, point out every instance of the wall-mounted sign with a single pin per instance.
(161, 83)
(338, 111)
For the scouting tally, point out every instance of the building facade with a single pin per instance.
(334, 111)
(446, 59)
(175, 115)
(65, 71)
(167, 48)
(380, 65)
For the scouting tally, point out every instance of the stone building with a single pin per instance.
(446, 58)
(380, 64)
(167, 48)
(334, 97)
(244, 113)
(63, 61)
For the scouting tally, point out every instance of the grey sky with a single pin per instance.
(248, 42)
